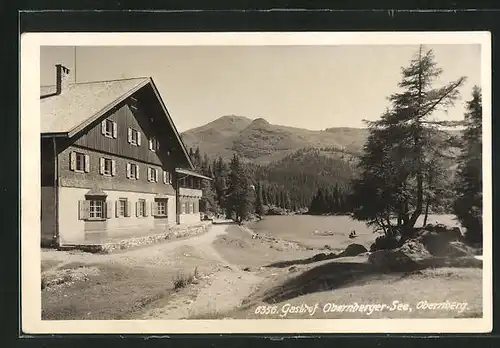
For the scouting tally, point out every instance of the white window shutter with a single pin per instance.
(137, 209)
(128, 171)
(101, 165)
(115, 130)
(154, 211)
(113, 167)
(156, 175)
(72, 160)
(87, 163)
(128, 208)
(129, 135)
(146, 208)
(150, 143)
(138, 138)
(136, 171)
(149, 174)
(103, 127)
(84, 209)
(117, 208)
(164, 177)
(109, 210)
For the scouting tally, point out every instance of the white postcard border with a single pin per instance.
(30, 185)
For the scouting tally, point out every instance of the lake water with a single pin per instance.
(318, 231)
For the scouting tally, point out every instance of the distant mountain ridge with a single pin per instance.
(296, 160)
(262, 142)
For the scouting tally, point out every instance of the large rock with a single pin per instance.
(458, 249)
(415, 249)
(448, 233)
(353, 250)
(393, 261)
(385, 243)
(319, 257)
(444, 244)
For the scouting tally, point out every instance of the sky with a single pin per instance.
(312, 87)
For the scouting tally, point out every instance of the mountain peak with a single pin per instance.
(233, 118)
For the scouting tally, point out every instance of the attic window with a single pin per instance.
(154, 145)
(134, 137)
(109, 128)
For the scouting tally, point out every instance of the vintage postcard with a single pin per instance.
(256, 182)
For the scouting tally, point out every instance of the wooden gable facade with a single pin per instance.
(137, 133)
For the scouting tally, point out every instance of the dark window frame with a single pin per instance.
(108, 128)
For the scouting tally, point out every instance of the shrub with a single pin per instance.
(385, 243)
(182, 280)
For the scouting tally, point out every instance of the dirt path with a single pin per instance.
(153, 254)
(213, 294)
(138, 283)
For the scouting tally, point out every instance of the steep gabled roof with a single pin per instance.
(80, 104)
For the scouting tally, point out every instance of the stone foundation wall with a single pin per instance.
(174, 232)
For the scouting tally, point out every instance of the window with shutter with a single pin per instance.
(115, 130)
(94, 209)
(121, 205)
(161, 207)
(107, 127)
(141, 208)
(165, 177)
(153, 144)
(107, 166)
(79, 162)
(113, 167)
(135, 137)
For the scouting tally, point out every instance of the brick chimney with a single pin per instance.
(62, 78)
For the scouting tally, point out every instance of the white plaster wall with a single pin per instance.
(132, 221)
(72, 229)
(190, 218)
(172, 211)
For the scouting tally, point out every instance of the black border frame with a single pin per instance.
(186, 16)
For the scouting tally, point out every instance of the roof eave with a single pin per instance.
(188, 172)
(54, 135)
